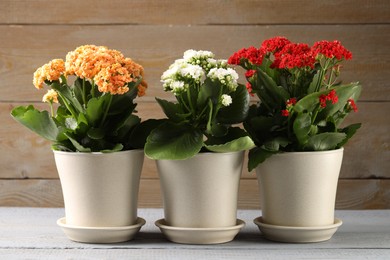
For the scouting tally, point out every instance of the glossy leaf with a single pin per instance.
(39, 122)
(324, 141)
(170, 109)
(237, 111)
(256, 156)
(171, 141)
(235, 140)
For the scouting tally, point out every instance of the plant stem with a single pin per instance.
(68, 106)
(93, 88)
(51, 109)
(106, 111)
(83, 95)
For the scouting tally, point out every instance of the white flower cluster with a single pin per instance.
(227, 77)
(226, 100)
(193, 68)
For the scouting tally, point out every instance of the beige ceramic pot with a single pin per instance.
(201, 192)
(298, 189)
(100, 189)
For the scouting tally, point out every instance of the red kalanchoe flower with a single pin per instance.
(249, 88)
(290, 102)
(332, 96)
(331, 50)
(352, 105)
(285, 112)
(274, 44)
(294, 55)
(235, 59)
(249, 73)
(255, 56)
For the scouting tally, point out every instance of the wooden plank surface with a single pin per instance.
(364, 234)
(352, 194)
(194, 12)
(25, 48)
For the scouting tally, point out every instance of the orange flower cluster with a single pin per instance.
(109, 69)
(50, 97)
(50, 71)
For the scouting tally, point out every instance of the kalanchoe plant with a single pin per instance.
(208, 101)
(95, 113)
(302, 104)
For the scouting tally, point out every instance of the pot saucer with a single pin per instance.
(100, 234)
(297, 234)
(201, 236)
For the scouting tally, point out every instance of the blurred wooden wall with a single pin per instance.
(155, 33)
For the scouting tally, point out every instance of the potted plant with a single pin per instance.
(199, 154)
(297, 130)
(97, 147)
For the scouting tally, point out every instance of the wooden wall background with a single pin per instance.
(155, 33)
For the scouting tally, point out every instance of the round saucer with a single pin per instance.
(201, 236)
(100, 234)
(297, 234)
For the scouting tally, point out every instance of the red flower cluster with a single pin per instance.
(331, 50)
(249, 88)
(274, 44)
(332, 96)
(352, 105)
(255, 56)
(289, 103)
(290, 55)
(249, 73)
(294, 55)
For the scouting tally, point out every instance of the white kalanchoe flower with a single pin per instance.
(178, 87)
(227, 77)
(226, 100)
(191, 55)
(222, 64)
(192, 71)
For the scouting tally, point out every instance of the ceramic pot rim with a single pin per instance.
(309, 152)
(97, 153)
(206, 154)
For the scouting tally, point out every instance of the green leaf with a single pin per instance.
(324, 141)
(171, 110)
(277, 93)
(71, 123)
(77, 145)
(95, 108)
(122, 128)
(349, 131)
(302, 127)
(172, 141)
(39, 122)
(116, 148)
(238, 109)
(315, 82)
(275, 144)
(96, 133)
(235, 140)
(256, 156)
(209, 91)
(67, 93)
(140, 133)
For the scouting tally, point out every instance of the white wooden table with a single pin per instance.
(32, 233)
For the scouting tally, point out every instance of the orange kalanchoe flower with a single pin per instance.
(110, 70)
(50, 97)
(50, 71)
(113, 79)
